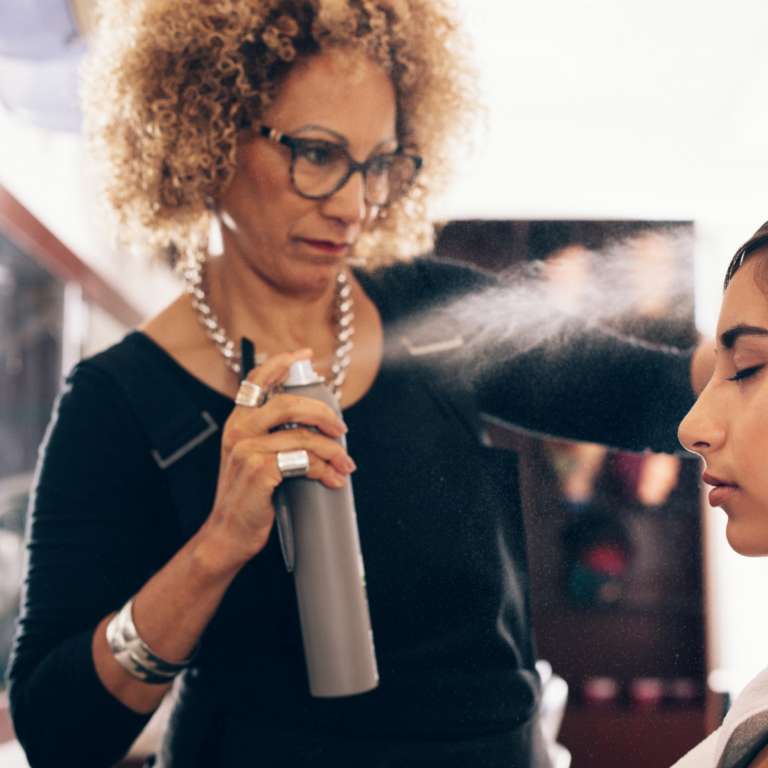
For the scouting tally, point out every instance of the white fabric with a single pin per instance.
(702, 755)
(12, 755)
(742, 734)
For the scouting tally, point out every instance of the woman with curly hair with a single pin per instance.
(297, 129)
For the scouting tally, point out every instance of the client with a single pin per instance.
(728, 428)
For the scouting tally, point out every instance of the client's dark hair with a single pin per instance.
(758, 242)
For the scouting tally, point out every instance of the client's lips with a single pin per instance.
(722, 490)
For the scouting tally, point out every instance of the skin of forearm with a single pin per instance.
(171, 612)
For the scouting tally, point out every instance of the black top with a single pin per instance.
(440, 525)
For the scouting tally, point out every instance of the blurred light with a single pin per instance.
(720, 681)
(36, 29)
(43, 92)
(40, 52)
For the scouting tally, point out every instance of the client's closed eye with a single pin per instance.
(745, 373)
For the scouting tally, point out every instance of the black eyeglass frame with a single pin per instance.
(294, 144)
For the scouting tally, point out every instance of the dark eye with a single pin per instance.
(381, 165)
(318, 153)
(745, 373)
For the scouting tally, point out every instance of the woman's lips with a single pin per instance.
(327, 246)
(721, 492)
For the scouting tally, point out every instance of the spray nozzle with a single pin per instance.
(302, 373)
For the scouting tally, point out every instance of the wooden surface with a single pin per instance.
(583, 643)
(29, 234)
(630, 739)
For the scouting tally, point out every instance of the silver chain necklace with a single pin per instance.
(343, 317)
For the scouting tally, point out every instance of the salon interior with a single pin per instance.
(620, 146)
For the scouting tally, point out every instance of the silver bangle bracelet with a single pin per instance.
(135, 656)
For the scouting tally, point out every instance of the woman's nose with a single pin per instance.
(348, 203)
(702, 430)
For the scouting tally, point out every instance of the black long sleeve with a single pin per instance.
(563, 378)
(596, 387)
(87, 553)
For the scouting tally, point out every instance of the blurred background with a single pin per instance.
(634, 123)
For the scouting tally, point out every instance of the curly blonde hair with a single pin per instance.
(171, 83)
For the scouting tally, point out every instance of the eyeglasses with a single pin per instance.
(321, 168)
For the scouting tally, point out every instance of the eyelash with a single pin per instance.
(745, 373)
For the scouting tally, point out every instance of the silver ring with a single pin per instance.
(250, 395)
(293, 464)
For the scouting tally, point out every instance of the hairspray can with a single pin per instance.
(321, 545)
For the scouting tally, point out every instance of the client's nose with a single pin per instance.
(702, 430)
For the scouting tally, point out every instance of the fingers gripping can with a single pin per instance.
(321, 544)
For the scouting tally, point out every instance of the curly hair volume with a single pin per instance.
(171, 83)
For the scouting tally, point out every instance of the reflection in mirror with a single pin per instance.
(46, 326)
(31, 318)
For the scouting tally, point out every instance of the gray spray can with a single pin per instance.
(321, 545)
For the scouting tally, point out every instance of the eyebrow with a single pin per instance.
(729, 338)
(342, 139)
